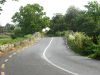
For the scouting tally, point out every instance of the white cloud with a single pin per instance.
(50, 7)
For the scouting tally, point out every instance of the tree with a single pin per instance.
(1, 29)
(94, 13)
(70, 18)
(9, 27)
(57, 23)
(31, 18)
(83, 21)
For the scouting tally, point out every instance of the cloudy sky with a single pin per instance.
(50, 7)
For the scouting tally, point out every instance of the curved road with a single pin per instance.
(49, 56)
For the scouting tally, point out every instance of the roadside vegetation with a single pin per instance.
(28, 20)
(83, 44)
(7, 39)
(81, 28)
(27, 25)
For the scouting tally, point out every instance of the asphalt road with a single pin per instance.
(49, 56)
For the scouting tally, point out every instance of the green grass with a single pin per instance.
(6, 39)
(4, 36)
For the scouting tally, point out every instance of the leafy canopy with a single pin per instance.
(31, 18)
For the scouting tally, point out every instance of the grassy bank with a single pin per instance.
(6, 39)
(10, 44)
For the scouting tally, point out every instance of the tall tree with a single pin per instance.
(70, 18)
(31, 18)
(94, 12)
(57, 23)
(9, 27)
(85, 24)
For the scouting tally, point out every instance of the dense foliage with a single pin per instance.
(30, 19)
(82, 44)
(87, 21)
(85, 28)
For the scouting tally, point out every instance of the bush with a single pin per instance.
(96, 55)
(80, 43)
(5, 41)
(60, 33)
(17, 33)
(28, 36)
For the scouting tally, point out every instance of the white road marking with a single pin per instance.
(44, 56)
(2, 73)
(3, 66)
(10, 56)
(6, 60)
(14, 53)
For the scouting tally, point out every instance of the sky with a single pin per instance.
(50, 7)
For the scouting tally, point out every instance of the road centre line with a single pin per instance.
(14, 53)
(44, 56)
(2, 73)
(10, 56)
(6, 60)
(3, 66)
